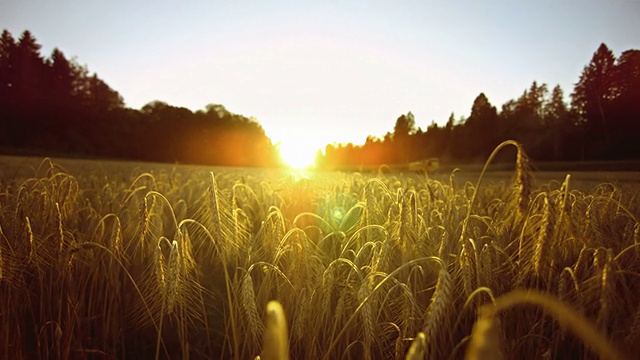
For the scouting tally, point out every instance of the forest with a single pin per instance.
(601, 122)
(55, 106)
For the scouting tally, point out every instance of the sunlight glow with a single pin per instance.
(297, 154)
(338, 214)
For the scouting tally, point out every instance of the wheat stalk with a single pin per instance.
(523, 182)
(485, 338)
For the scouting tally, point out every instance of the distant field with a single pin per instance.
(107, 259)
(593, 172)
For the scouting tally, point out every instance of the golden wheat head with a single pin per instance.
(276, 338)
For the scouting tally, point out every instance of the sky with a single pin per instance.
(318, 72)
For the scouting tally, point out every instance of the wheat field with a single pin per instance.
(186, 263)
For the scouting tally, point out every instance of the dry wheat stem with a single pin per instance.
(562, 313)
(379, 285)
(484, 169)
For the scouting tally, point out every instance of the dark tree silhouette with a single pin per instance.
(29, 70)
(558, 127)
(7, 63)
(601, 123)
(7, 89)
(405, 126)
(60, 80)
(591, 99)
(480, 129)
(402, 131)
(57, 107)
(625, 107)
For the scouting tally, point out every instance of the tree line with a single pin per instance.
(601, 122)
(55, 106)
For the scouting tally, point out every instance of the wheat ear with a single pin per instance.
(436, 314)
(542, 245)
(31, 240)
(145, 223)
(368, 317)
(302, 314)
(607, 290)
(636, 235)
(418, 347)
(634, 330)
(1, 255)
(173, 276)
(485, 339)
(276, 338)
(523, 180)
(254, 327)
(60, 229)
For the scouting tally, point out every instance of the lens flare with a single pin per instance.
(338, 214)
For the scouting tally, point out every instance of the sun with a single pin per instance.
(297, 154)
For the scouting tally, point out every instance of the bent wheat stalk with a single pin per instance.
(362, 303)
(523, 181)
(485, 342)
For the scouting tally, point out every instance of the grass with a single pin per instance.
(174, 262)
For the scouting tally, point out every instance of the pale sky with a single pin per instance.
(314, 73)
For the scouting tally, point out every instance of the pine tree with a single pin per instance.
(592, 96)
(558, 124)
(61, 80)
(625, 118)
(480, 129)
(29, 70)
(7, 59)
